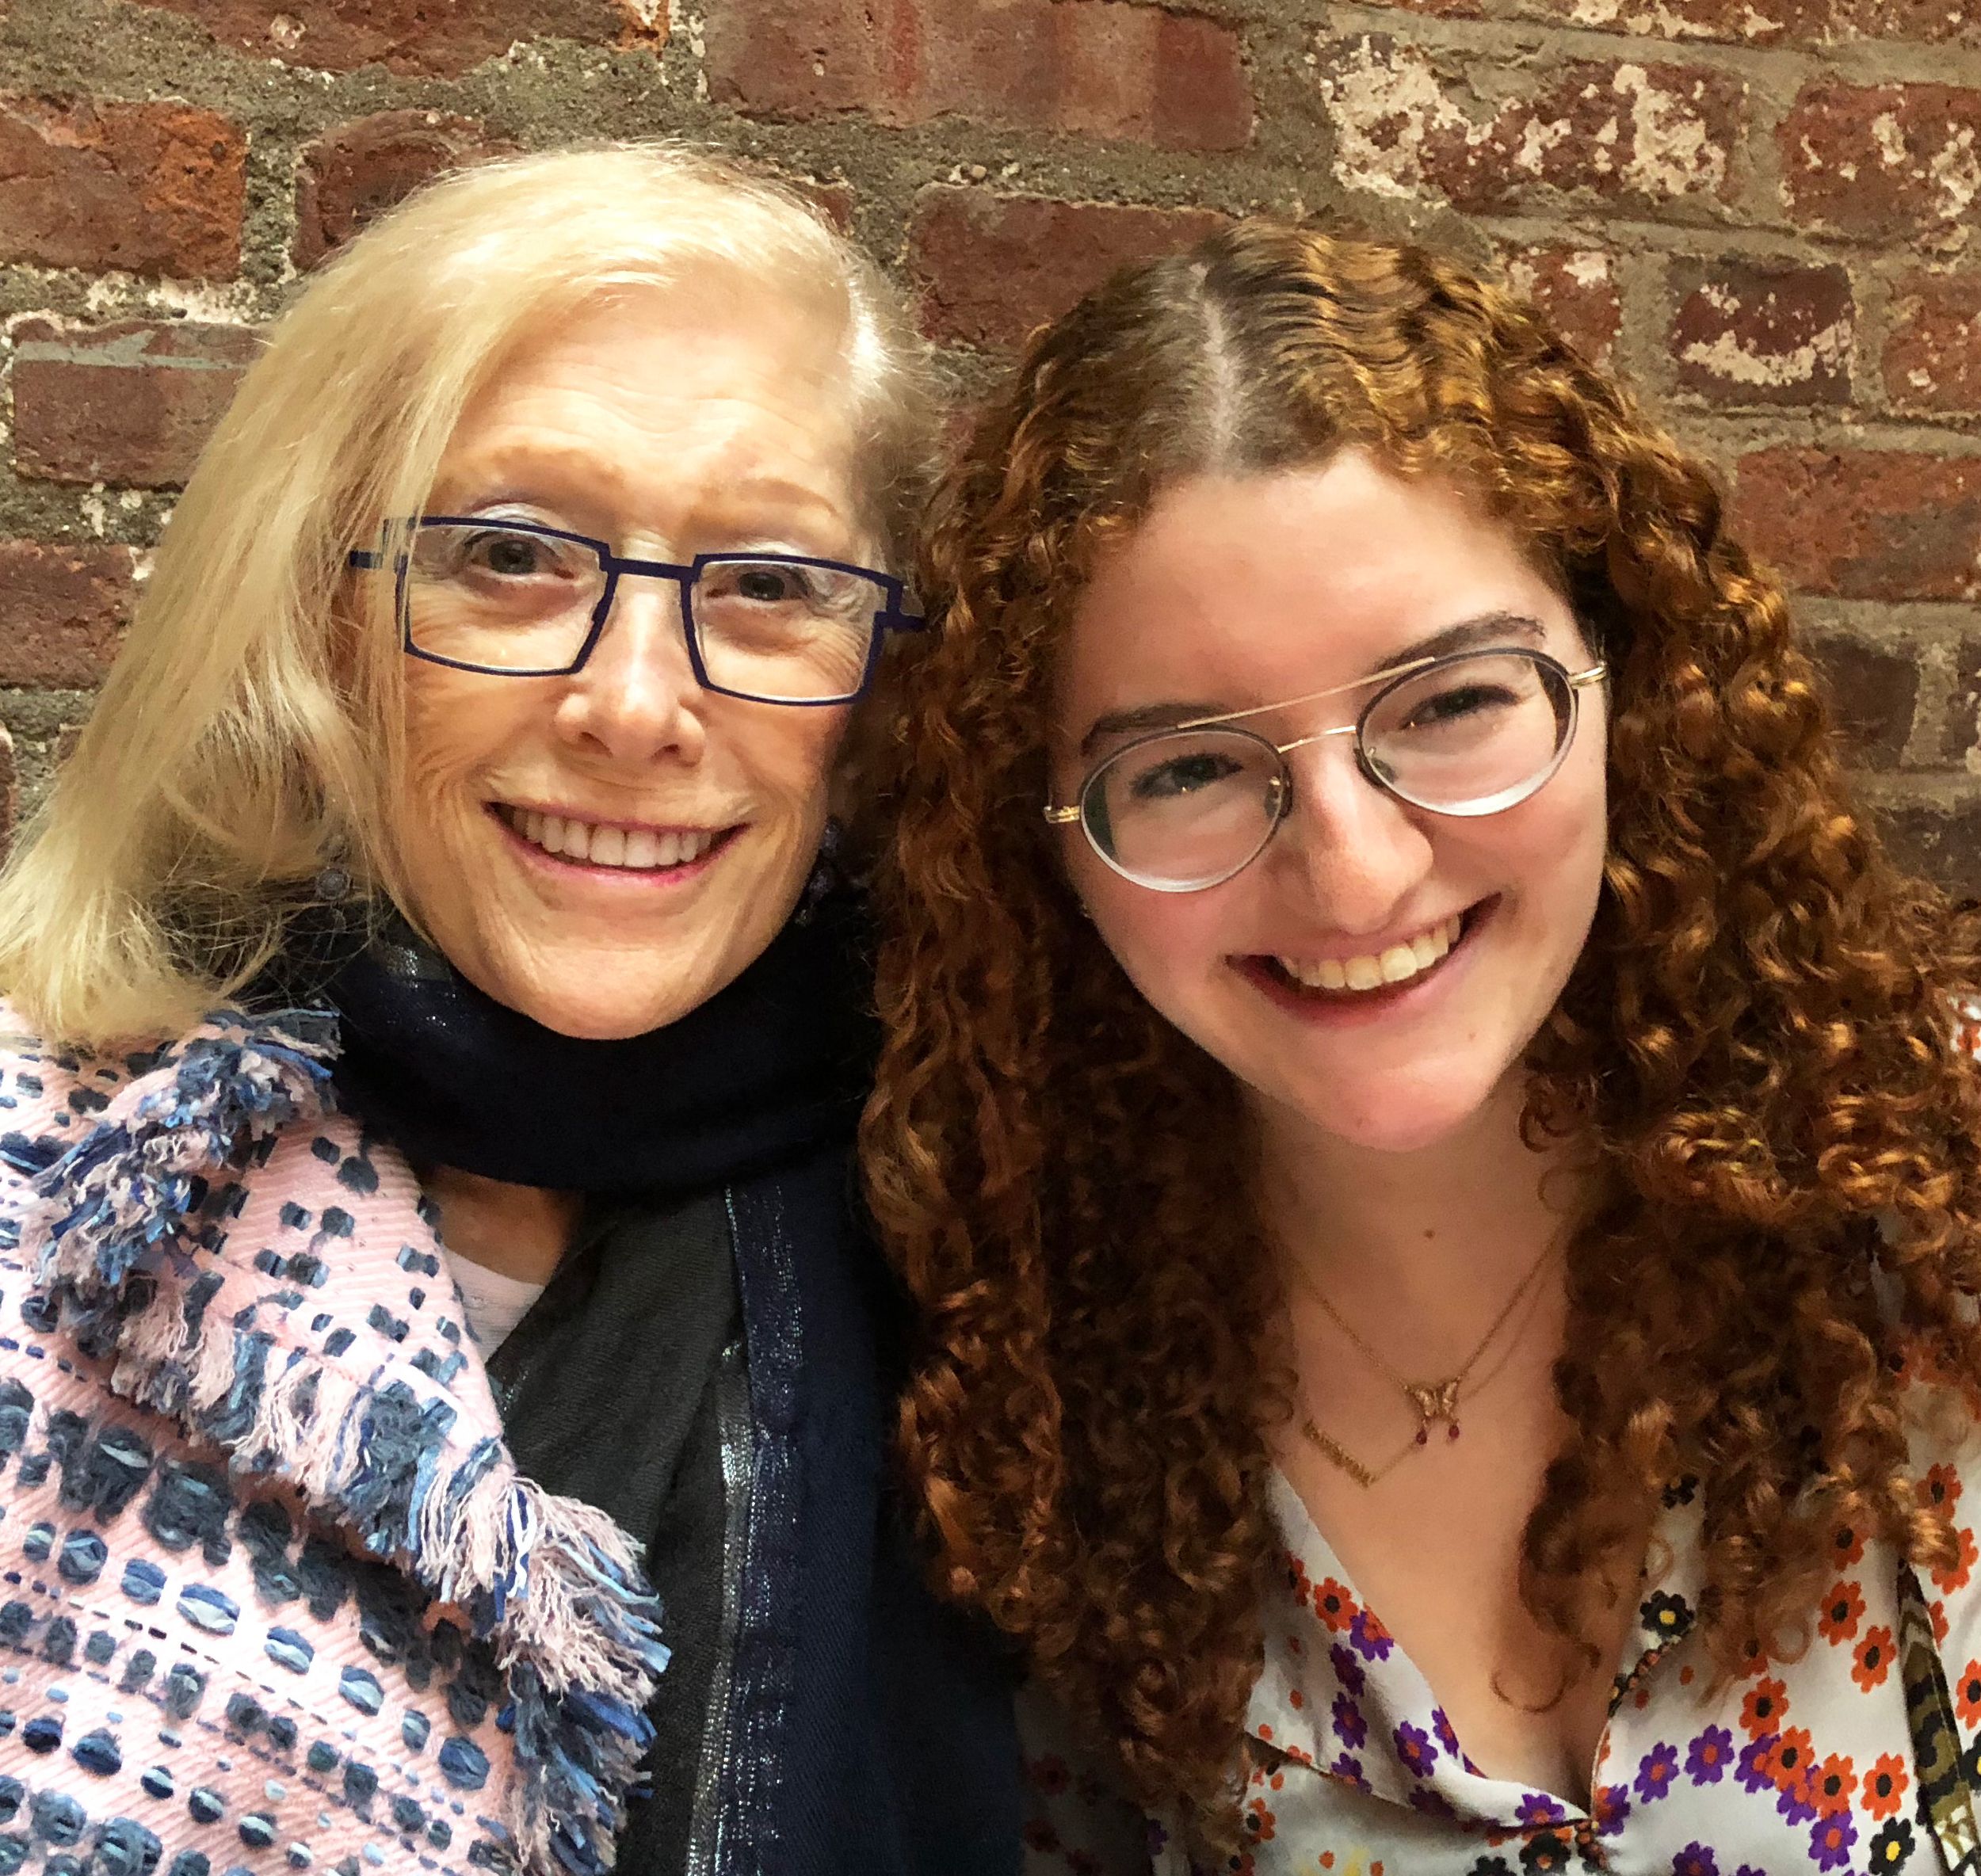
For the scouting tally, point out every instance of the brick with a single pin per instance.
(1757, 332)
(62, 613)
(1960, 737)
(129, 404)
(1099, 68)
(1875, 160)
(1941, 843)
(1883, 525)
(1409, 123)
(990, 267)
(1873, 693)
(1932, 355)
(1575, 289)
(360, 170)
(415, 35)
(152, 189)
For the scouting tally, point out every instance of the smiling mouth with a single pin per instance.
(590, 843)
(1396, 964)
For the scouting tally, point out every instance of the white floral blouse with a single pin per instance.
(1801, 1765)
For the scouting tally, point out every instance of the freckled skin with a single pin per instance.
(668, 425)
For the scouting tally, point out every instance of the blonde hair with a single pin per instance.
(248, 733)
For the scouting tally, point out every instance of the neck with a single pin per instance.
(1434, 1235)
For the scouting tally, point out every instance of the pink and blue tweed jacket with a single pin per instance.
(272, 1594)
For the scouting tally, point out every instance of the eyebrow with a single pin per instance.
(1487, 629)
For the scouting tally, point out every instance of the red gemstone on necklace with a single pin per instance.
(1451, 1432)
(1423, 1435)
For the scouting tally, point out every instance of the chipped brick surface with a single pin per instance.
(62, 613)
(1410, 123)
(1099, 68)
(152, 189)
(409, 36)
(1749, 332)
(1943, 843)
(1576, 289)
(1873, 161)
(1872, 524)
(992, 267)
(1932, 358)
(1771, 23)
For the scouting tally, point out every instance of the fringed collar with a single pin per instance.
(213, 1192)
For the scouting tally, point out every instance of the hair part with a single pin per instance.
(251, 729)
(1756, 1049)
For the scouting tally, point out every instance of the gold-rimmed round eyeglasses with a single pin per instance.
(1471, 734)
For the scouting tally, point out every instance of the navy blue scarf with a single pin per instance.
(873, 1725)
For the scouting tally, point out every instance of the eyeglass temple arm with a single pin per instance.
(363, 557)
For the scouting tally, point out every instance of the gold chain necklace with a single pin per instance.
(1434, 1402)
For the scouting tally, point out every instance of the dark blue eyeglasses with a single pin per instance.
(516, 600)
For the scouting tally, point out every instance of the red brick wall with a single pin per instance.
(1764, 212)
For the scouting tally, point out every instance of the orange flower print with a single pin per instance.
(1298, 1581)
(1947, 1578)
(1259, 1820)
(1967, 1695)
(1834, 1783)
(1842, 1610)
(1939, 1490)
(1884, 1786)
(1872, 1662)
(1763, 1710)
(1334, 1606)
(1936, 1610)
(1846, 1545)
(1789, 1764)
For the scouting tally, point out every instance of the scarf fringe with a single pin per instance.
(552, 1584)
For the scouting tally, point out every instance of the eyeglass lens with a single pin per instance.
(507, 600)
(1468, 736)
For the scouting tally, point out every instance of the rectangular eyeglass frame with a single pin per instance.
(684, 574)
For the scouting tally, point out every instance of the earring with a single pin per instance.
(332, 885)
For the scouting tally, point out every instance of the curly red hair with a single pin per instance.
(1756, 1047)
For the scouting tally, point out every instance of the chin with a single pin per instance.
(1410, 1118)
(599, 1010)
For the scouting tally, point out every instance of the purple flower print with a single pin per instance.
(1658, 1768)
(1695, 1859)
(1832, 1840)
(1350, 1728)
(1348, 1671)
(1433, 1803)
(1537, 1808)
(1414, 1746)
(1348, 1768)
(1793, 1803)
(1753, 1768)
(1368, 1638)
(1442, 1727)
(1708, 1755)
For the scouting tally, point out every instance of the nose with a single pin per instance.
(636, 697)
(1356, 852)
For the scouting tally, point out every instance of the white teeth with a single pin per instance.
(1396, 964)
(636, 849)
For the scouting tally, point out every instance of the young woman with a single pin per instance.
(1434, 1145)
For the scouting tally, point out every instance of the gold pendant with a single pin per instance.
(1435, 1401)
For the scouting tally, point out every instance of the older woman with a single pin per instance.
(435, 902)
(1457, 1351)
